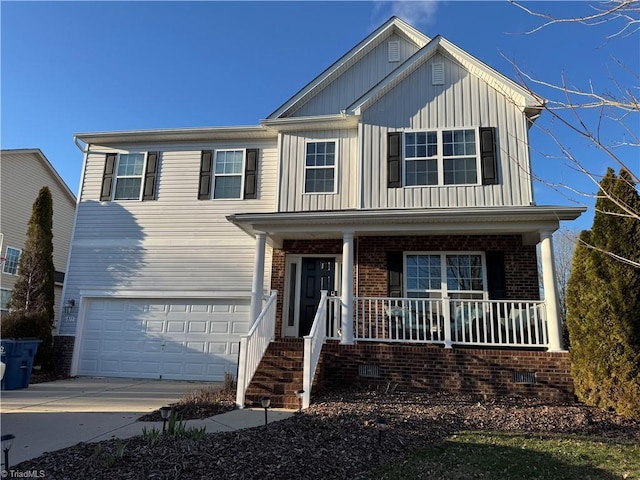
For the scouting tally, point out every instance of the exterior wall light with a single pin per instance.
(68, 306)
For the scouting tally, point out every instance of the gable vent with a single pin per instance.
(437, 74)
(394, 51)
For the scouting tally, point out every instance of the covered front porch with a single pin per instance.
(447, 277)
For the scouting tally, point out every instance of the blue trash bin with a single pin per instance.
(17, 354)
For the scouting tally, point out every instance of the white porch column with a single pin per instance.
(257, 288)
(550, 291)
(346, 323)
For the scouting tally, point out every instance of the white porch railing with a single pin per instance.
(505, 323)
(253, 345)
(313, 347)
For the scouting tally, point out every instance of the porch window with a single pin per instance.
(12, 257)
(320, 167)
(455, 275)
(228, 172)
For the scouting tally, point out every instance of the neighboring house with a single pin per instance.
(23, 173)
(389, 203)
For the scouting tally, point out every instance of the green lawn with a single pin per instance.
(517, 456)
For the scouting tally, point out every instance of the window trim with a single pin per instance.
(142, 176)
(6, 256)
(335, 166)
(241, 174)
(444, 289)
(440, 158)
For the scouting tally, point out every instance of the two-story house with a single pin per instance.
(23, 173)
(387, 206)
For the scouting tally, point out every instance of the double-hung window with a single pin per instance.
(227, 174)
(12, 257)
(320, 167)
(441, 157)
(453, 275)
(5, 296)
(129, 176)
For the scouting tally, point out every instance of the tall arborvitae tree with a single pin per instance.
(34, 289)
(603, 300)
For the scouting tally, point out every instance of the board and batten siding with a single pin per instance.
(463, 101)
(171, 245)
(292, 181)
(23, 175)
(357, 80)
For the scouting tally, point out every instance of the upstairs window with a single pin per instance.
(129, 176)
(228, 173)
(466, 156)
(320, 167)
(12, 257)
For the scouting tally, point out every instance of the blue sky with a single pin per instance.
(70, 67)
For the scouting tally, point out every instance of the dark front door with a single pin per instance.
(317, 274)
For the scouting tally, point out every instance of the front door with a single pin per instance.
(317, 274)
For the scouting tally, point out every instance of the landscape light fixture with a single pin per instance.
(382, 426)
(7, 442)
(266, 403)
(68, 306)
(165, 412)
(299, 394)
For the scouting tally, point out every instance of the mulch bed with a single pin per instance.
(341, 436)
(190, 411)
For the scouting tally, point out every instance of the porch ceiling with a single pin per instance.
(527, 221)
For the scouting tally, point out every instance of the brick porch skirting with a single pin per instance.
(432, 368)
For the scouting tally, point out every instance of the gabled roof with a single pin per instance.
(47, 165)
(528, 103)
(393, 25)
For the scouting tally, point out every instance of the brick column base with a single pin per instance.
(63, 353)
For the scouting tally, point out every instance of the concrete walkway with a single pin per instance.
(49, 416)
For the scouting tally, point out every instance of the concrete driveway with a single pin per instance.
(49, 416)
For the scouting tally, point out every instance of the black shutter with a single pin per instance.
(488, 156)
(395, 263)
(497, 284)
(150, 176)
(107, 177)
(206, 164)
(251, 174)
(394, 159)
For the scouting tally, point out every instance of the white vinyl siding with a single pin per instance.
(356, 79)
(175, 244)
(463, 101)
(11, 260)
(293, 171)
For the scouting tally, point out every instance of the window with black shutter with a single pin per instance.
(206, 164)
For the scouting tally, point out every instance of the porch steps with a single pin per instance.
(279, 374)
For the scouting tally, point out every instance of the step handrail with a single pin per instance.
(253, 345)
(312, 348)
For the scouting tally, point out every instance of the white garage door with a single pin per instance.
(163, 339)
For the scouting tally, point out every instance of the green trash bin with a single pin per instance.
(17, 354)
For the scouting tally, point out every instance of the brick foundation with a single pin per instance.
(432, 368)
(63, 353)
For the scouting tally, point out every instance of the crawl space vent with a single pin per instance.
(394, 51)
(524, 377)
(369, 371)
(437, 74)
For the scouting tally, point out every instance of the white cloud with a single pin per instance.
(417, 13)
